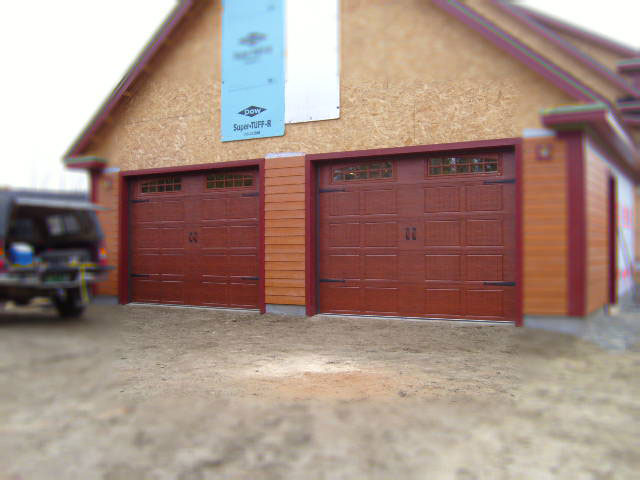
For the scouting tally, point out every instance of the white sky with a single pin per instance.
(62, 58)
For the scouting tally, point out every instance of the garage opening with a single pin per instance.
(430, 236)
(194, 239)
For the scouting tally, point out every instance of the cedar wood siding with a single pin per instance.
(285, 230)
(597, 216)
(545, 228)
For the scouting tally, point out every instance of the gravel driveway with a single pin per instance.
(136, 393)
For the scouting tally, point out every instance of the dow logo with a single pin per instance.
(251, 111)
(252, 39)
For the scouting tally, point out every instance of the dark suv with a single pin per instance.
(50, 245)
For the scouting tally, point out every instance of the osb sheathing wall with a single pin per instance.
(411, 74)
(545, 228)
(597, 214)
(285, 230)
(544, 47)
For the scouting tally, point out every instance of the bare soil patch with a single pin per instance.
(165, 393)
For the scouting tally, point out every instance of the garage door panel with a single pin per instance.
(343, 235)
(442, 267)
(194, 241)
(381, 234)
(380, 267)
(242, 236)
(442, 233)
(343, 266)
(484, 198)
(443, 301)
(242, 208)
(485, 268)
(213, 209)
(443, 199)
(484, 232)
(383, 301)
(432, 236)
(243, 265)
(342, 203)
(485, 303)
(145, 290)
(341, 299)
(377, 202)
(244, 294)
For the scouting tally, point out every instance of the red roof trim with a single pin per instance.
(580, 32)
(134, 72)
(523, 16)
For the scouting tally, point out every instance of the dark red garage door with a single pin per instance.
(194, 239)
(419, 237)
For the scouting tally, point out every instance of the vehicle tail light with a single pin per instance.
(3, 261)
(102, 256)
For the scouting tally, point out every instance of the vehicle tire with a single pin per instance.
(71, 305)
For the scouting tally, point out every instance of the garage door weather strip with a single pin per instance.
(193, 307)
(419, 319)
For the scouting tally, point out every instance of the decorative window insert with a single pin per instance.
(229, 180)
(363, 171)
(160, 185)
(462, 165)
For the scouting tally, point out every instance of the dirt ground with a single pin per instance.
(136, 393)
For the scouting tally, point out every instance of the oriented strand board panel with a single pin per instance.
(284, 230)
(597, 215)
(546, 48)
(429, 79)
(545, 228)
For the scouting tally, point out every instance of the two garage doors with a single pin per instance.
(417, 237)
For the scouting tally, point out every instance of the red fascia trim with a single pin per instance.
(581, 33)
(86, 165)
(519, 236)
(123, 224)
(256, 162)
(524, 18)
(174, 18)
(437, 147)
(631, 121)
(628, 108)
(311, 254)
(261, 241)
(516, 49)
(577, 221)
(123, 240)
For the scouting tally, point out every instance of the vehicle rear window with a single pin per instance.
(63, 224)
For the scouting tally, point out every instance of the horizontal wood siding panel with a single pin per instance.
(597, 268)
(285, 230)
(545, 229)
(285, 300)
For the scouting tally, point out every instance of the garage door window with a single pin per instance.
(462, 165)
(162, 185)
(229, 180)
(363, 171)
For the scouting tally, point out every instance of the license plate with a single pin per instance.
(56, 277)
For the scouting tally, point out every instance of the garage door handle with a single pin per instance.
(501, 284)
(332, 280)
(252, 194)
(249, 278)
(329, 190)
(138, 275)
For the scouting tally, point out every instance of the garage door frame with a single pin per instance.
(125, 179)
(315, 160)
